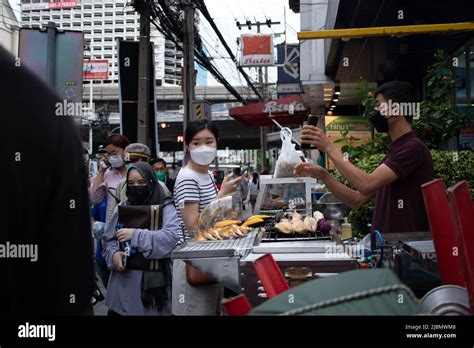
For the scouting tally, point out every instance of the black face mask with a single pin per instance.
(138, 194)
(379, 122)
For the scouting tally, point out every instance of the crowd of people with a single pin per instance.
(133, 261)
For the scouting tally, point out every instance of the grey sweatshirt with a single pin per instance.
(124, 288)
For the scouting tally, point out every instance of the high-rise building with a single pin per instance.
(104, 23)
(8, 28)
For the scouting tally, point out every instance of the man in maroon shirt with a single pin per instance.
(396, 181)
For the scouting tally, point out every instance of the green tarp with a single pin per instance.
(359, 292)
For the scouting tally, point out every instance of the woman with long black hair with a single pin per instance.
(193, 191)
(141, 287)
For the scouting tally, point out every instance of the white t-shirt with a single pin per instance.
(192, 187)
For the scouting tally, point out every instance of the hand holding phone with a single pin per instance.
(312, 121)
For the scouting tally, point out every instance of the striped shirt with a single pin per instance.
(192, 187)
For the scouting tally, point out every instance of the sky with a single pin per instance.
(225, 13)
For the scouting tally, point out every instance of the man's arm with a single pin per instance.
(365, 183)
(353, 199)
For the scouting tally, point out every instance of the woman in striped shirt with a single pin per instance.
(193, 191)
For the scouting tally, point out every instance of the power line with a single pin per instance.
(202, 6)
(171, 28)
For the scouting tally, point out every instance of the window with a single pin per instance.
(119, 30)
(108, 31)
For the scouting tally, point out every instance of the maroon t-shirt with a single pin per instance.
(399, 207)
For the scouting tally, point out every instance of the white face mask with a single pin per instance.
(116, 161)
(203, 155)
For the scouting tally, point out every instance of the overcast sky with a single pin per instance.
(225, 12)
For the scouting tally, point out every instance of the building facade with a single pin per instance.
(8, 28)
(104, 23)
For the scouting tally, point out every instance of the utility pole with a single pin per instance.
(188, 63)
(263, 91)
(51, 49)
(143, 129)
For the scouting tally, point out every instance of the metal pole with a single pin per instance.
(467, 59)
(188, 63)
(90, 138)
(262, 128)
(91, 107)
(143, 130)
(51, 61)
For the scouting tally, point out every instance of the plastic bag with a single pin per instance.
(288, 158)
(226, 208)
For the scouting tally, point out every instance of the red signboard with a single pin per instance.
(54, 5)
(96, 70)
(288, 110)
(257, 50)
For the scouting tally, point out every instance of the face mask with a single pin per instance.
(160, 176)
(379, 122)
(203, 155)
(138, 194)
(116, 161)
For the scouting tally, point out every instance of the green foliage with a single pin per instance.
(366, 95)
(454, 166)
(361, 217)
(450, 166)
(357, 153)
(439, 118)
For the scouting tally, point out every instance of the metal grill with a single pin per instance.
(273, 235)
(218, 248)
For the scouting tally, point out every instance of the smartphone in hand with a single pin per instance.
(312, 121)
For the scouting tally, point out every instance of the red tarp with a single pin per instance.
(255, 115)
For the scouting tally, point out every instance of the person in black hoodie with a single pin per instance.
(46, 204)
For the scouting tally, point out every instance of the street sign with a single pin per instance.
(52, 5)
(257, 50)
(96, 70)
(288, 70)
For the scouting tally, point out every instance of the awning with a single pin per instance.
(260, 114)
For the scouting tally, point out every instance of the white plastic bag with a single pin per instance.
(288, 158)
